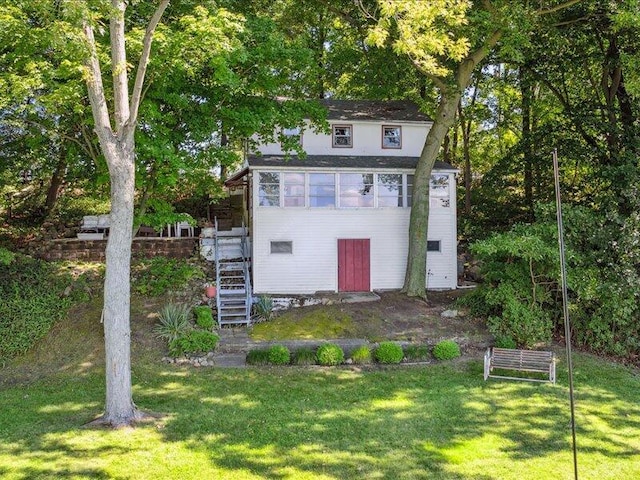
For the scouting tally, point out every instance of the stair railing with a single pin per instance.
(217, 261)
(247, 279)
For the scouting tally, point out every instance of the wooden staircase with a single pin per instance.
(232, 260)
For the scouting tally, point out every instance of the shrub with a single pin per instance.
(159, 275)
(263, 308)
(446, 350)
(31, 300)
(304, 356)
(279, 355)
(194, 341)
(389, 352)
(204, 317)
(417, 353)
(173, 322)
(361, 355)
(258, 357)
(506, 342)
(329, 354)
(520, 268)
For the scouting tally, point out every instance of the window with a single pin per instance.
(433, 245)
(269, 189)
(391, 136)
(409, 190)
(439, 190)
(342, 137)
(356, 189)
(322, 190)
(293, 187)
(390, 190)
(282, 247)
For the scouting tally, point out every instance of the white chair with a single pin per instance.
(89, 223)
(180, 226)
(104, 222)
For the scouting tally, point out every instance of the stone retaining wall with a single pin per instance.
(93, 250)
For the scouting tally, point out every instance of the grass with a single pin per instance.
(438, 422)
(318, 323)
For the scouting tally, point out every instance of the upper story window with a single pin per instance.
(390, 191)
(391, 136)
(409, 190)
(342, 136)
(356, 189)
(293, 189)
(322, 190)
(269, 189)
(439, 190)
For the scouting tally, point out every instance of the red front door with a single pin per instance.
(353, 265)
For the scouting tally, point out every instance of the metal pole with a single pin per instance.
(565, 309)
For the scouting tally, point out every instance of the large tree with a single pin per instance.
(447, 41)
(116, 133)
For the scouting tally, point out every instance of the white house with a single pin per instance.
(338, 219)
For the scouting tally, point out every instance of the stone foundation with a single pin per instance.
(93, 250)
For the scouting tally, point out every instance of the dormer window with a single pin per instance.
(342, 136)
(391, 136)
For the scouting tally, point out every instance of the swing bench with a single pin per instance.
(520, 360)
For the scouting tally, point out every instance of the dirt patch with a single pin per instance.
(397, 317)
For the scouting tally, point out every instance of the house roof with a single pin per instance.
(340, 161)
(387, 110)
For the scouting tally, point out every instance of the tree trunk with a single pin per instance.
(526, 93)
(56, 182)
(415, 281)
(119, 409)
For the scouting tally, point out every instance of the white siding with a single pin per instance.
(367, 141)
(313, 265)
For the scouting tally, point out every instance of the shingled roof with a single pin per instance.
(387, 110)
(340, 161)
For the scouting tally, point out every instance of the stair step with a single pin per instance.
(236, 322)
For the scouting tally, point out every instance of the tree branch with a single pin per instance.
(119, 65)
(136, 95)
(557, 8)
(95, 87)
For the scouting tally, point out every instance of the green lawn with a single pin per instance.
(431, 422)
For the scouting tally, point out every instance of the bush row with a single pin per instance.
(329, 354)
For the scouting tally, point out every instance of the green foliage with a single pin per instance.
(361, 355)
(506, 342)
(204, 317)
(159, 275)
(329, 354)
(193, 341)
(6, 256)
(173, 322)
(259, 356)
(279, 355)
(32, 300)
(263, 308)
(520, 269)
(389, 352)
(304, 356)
(446, 350)
(417, 353)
